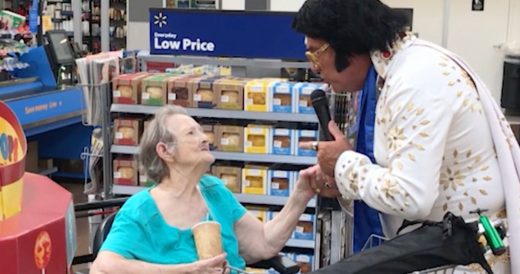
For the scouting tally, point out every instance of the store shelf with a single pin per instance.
(126, 190)
(234, 156)
(300, 243)
(133, 150)
(236, 62)
(267, 200)
(222, 113)
(242, 198)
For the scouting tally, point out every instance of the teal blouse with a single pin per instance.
(139, 231)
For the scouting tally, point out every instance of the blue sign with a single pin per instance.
(46, 106)
(33, 16)
(225, 34)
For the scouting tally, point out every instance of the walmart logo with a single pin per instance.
(160, 19)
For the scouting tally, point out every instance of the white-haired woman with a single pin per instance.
(152, 231)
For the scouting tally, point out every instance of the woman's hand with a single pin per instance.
(320, 183)
(303, 186)
(215, 265)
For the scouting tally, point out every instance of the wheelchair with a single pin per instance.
(279, 263)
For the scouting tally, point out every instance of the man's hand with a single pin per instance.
(322, 184)
(329, 151)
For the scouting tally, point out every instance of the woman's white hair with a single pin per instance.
(156, 131)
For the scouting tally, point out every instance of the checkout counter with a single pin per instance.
(49, 113)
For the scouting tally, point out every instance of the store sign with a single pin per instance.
(225, 34)
(48, 106)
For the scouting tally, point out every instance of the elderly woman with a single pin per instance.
(152, 231)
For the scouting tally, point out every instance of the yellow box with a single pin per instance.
(257, 139)
(254, 180)
(257, 94)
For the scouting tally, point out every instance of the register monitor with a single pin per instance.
(60, 48)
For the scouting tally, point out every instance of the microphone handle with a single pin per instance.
(324, 119)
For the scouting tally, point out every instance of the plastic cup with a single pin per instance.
(207, 239)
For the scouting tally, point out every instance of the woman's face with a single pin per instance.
(191, 145)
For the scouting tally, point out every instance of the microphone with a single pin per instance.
(320, 103)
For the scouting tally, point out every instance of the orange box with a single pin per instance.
(155, 89)
(230, 175)
(179, 92)
(230, 138)
(127, 131)
(127, 88)
(125, 171)
(203, 93)
(230, 93)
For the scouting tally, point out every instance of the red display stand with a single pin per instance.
(42, 237)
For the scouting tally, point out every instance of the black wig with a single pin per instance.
(350, 26)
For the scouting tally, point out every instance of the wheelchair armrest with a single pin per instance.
(279, 263)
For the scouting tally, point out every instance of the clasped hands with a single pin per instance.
(321, 176)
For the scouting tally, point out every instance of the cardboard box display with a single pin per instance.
(283, 141)
(284, 99)
(305, 228)
(42, 237)
(230, 93)
(127, 131)
(306, 136)
(254, 180)
(127, 88)
(179, 92)
(230, 138)
(230, 175)
(203, 93)
(155, 89)
(279, 182)
(257, 139)
(257, 94)
(303, 92)
(305, 262)
(125, 171)
(12, 163)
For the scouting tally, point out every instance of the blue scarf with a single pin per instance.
(366, 219)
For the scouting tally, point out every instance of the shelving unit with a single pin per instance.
(243, 65)
(221, 113)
